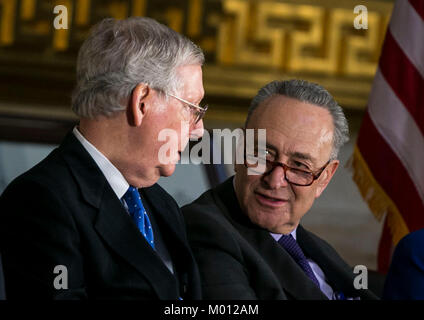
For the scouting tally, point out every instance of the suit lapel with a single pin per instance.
(116, 227)
(172, 224)
(338, 273)
(291, 277)
(337, 276)
(166, 217)
(113, 223)
(164, 213)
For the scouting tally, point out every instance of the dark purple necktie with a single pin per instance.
(290, 244)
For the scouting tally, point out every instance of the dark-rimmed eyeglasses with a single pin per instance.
(294, 176)
(198, 111)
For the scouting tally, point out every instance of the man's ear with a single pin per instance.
(326, 176)
(138, 106)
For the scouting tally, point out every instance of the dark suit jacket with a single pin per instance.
(405, 280)
(64, 212)
(239, 260)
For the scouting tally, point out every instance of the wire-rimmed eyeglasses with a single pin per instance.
(198, 111)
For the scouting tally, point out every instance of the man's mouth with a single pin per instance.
(269, 200)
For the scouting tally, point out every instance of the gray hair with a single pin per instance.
(119, 54)
(311, 93)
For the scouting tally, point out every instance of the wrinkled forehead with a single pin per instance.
(294, 126)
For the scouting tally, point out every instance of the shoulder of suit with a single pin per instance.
(209, 212)
(206, 204)
(207, 225)
(47, 172)
(414, 237)
(412, 243)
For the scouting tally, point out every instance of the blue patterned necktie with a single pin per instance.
(139, 214)
(292, 247)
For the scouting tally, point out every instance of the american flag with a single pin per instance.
(388, 158)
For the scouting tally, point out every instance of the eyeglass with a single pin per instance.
(198, 111)
(294, 176)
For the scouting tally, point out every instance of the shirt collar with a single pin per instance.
(113, 176)
(277, 236)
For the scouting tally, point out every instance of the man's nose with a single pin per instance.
(276, 178)
(196, 131)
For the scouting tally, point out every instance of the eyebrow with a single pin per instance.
(296, 154)
(300, 155)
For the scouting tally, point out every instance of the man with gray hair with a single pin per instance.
(246, 233)
(89, 221)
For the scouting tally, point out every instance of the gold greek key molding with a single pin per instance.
(247, 42)
(299, 38)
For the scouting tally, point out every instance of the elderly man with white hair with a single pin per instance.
(89, 221)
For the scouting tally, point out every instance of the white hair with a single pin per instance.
(120, 54)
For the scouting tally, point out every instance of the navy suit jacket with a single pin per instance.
(405, 280)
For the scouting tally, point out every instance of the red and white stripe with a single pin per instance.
(391, 139)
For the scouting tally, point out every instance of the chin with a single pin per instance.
(167, 170)
(142, 183)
